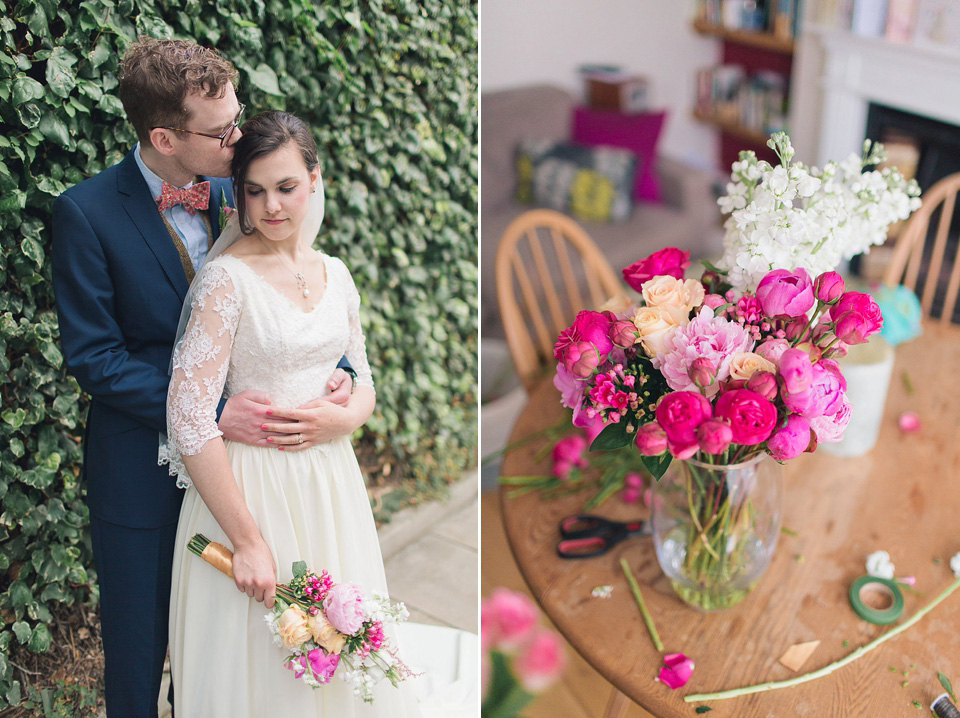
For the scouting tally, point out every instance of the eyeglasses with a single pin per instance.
(224, 137)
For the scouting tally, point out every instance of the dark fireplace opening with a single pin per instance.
(927, 150)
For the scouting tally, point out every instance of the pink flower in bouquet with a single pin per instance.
(829, 428)
(593, 428)
(702, 372)
(752, 418)
(669, 261)
(790, 440)
(606, 394)
(796, 371)
(509, 618)
(540, 661)
(651, 439)
(623, 333)
(571, 394)
(782, 292)
(714, 436)
(344, 608)
(772, 349)
(292, 627)
(680, 413)
(827, 390)
(676, 670)
(707, 337)
(828, 287)
(567, 454)
(764, 383)
(857, 316)
(581, 358)
(590, 327)
(713, 301)
(322, 665)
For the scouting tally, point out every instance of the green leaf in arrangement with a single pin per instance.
(947, 685)
(613, 436)
(657, 465)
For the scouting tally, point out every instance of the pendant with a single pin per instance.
(306, 292)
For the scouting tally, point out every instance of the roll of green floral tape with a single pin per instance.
(883, 586)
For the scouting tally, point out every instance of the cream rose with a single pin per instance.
(618, 304)
(654, 325)
(684, 294)
(325, 635)
(744, 365)
(292, 627)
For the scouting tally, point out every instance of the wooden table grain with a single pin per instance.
(903, 497)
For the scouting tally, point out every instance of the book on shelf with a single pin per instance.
(755, 102)
(869, 17)
(901, 17)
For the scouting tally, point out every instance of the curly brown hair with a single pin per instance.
(156, 76)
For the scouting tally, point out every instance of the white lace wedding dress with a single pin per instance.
(310, 505)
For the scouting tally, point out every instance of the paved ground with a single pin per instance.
(431, 556)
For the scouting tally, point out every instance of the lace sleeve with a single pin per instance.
(200, 362)
(356, 346)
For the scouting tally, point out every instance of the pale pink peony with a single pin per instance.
(785, 293)
(540, 661)
(829, 429)
(343, 607)
(707, 337)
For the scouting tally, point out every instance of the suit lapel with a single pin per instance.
(142, 210)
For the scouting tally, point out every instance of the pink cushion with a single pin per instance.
(638, 133)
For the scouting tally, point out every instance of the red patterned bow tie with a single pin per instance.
(192, 199)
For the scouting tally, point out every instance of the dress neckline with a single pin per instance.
(278, 292)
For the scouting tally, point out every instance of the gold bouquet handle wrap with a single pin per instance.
(216, 554)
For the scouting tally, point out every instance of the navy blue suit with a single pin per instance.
(119, 287)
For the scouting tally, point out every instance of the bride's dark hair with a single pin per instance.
(263, 135)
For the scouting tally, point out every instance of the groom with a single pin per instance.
(126, 244)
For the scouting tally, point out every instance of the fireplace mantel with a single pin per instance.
(860, 70)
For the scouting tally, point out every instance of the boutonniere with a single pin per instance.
(225, 210)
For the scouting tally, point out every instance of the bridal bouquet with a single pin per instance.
(329, 628)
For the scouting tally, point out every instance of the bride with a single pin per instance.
(267, 312)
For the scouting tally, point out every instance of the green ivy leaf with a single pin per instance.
(26, 89)
(33, 251)
(13, 694)
(13, 201)
(264, 78)
(22, 630)
(40, 640)
(14, 417)
(29, 115)
(111, 104)
(61, 79)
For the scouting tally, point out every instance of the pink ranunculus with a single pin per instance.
(624, 333)
(785, 293)
(791, 439)
(714, 436)
(866, 319)
(752, 418)
(540, 661)
(676, 670)
(828, 287)
(772, 349)
(581, 359)
(668, 261)
(323, 665)
(764, 383)
(680, 413)
(510, 618)
(829, 428)
(344, 608)
(795, 370)
(651, 439)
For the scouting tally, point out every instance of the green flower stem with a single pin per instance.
(647, 618)
(826, 670)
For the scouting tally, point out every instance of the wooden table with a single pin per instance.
(903, 497)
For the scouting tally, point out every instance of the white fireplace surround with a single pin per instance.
(860, 70)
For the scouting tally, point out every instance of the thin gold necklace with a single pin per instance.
(301, 282)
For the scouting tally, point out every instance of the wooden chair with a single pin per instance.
(910, 253)
(547, 269)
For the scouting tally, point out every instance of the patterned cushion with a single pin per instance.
(591, 183)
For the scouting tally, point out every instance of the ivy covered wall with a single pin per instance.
(390, 88)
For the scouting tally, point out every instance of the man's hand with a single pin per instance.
(340, 385)
(309, 424)
(243, 416)
(255, 573)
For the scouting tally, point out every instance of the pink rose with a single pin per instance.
(795, 370)
(668, 261)
(676, 670)
(752, 418)
(540, 661)
(714, 436)
(828, 287)
(680, 413)
(651, 439)
(790, 440)
(343, 607)
(782, 292)
(509, 617)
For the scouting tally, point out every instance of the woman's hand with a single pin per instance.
(255, 573)
(317, 421)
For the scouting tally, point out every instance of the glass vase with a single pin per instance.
(716, 526)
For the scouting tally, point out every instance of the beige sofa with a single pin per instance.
(687, 217)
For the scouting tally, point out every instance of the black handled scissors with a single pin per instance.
(585, 535)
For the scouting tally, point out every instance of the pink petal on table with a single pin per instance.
(676, 671)
(909, 421)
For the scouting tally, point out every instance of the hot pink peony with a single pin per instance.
(591, 328)
(785, 293)
(323, 665)
(680, 413)
(540, 661)
(668, 261)
(790, 440)
(752, 418)
(343, 607)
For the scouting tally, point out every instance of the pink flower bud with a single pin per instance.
(790, 440)
(796, 328)
(630, 495)
(764, 383)
(581, 359)
(714, 436)
(510, 618)
(702, 372)
(713, 301)
(623, 333)
(634, 480)
(772, 349)
(651, 439)
(828, 287)
(909, 421)
(676, 670)
(851, 328)
(796, 371)
(540, 661)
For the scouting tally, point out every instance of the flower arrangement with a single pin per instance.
(329, 628)
(794, 217)
(520, 659)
